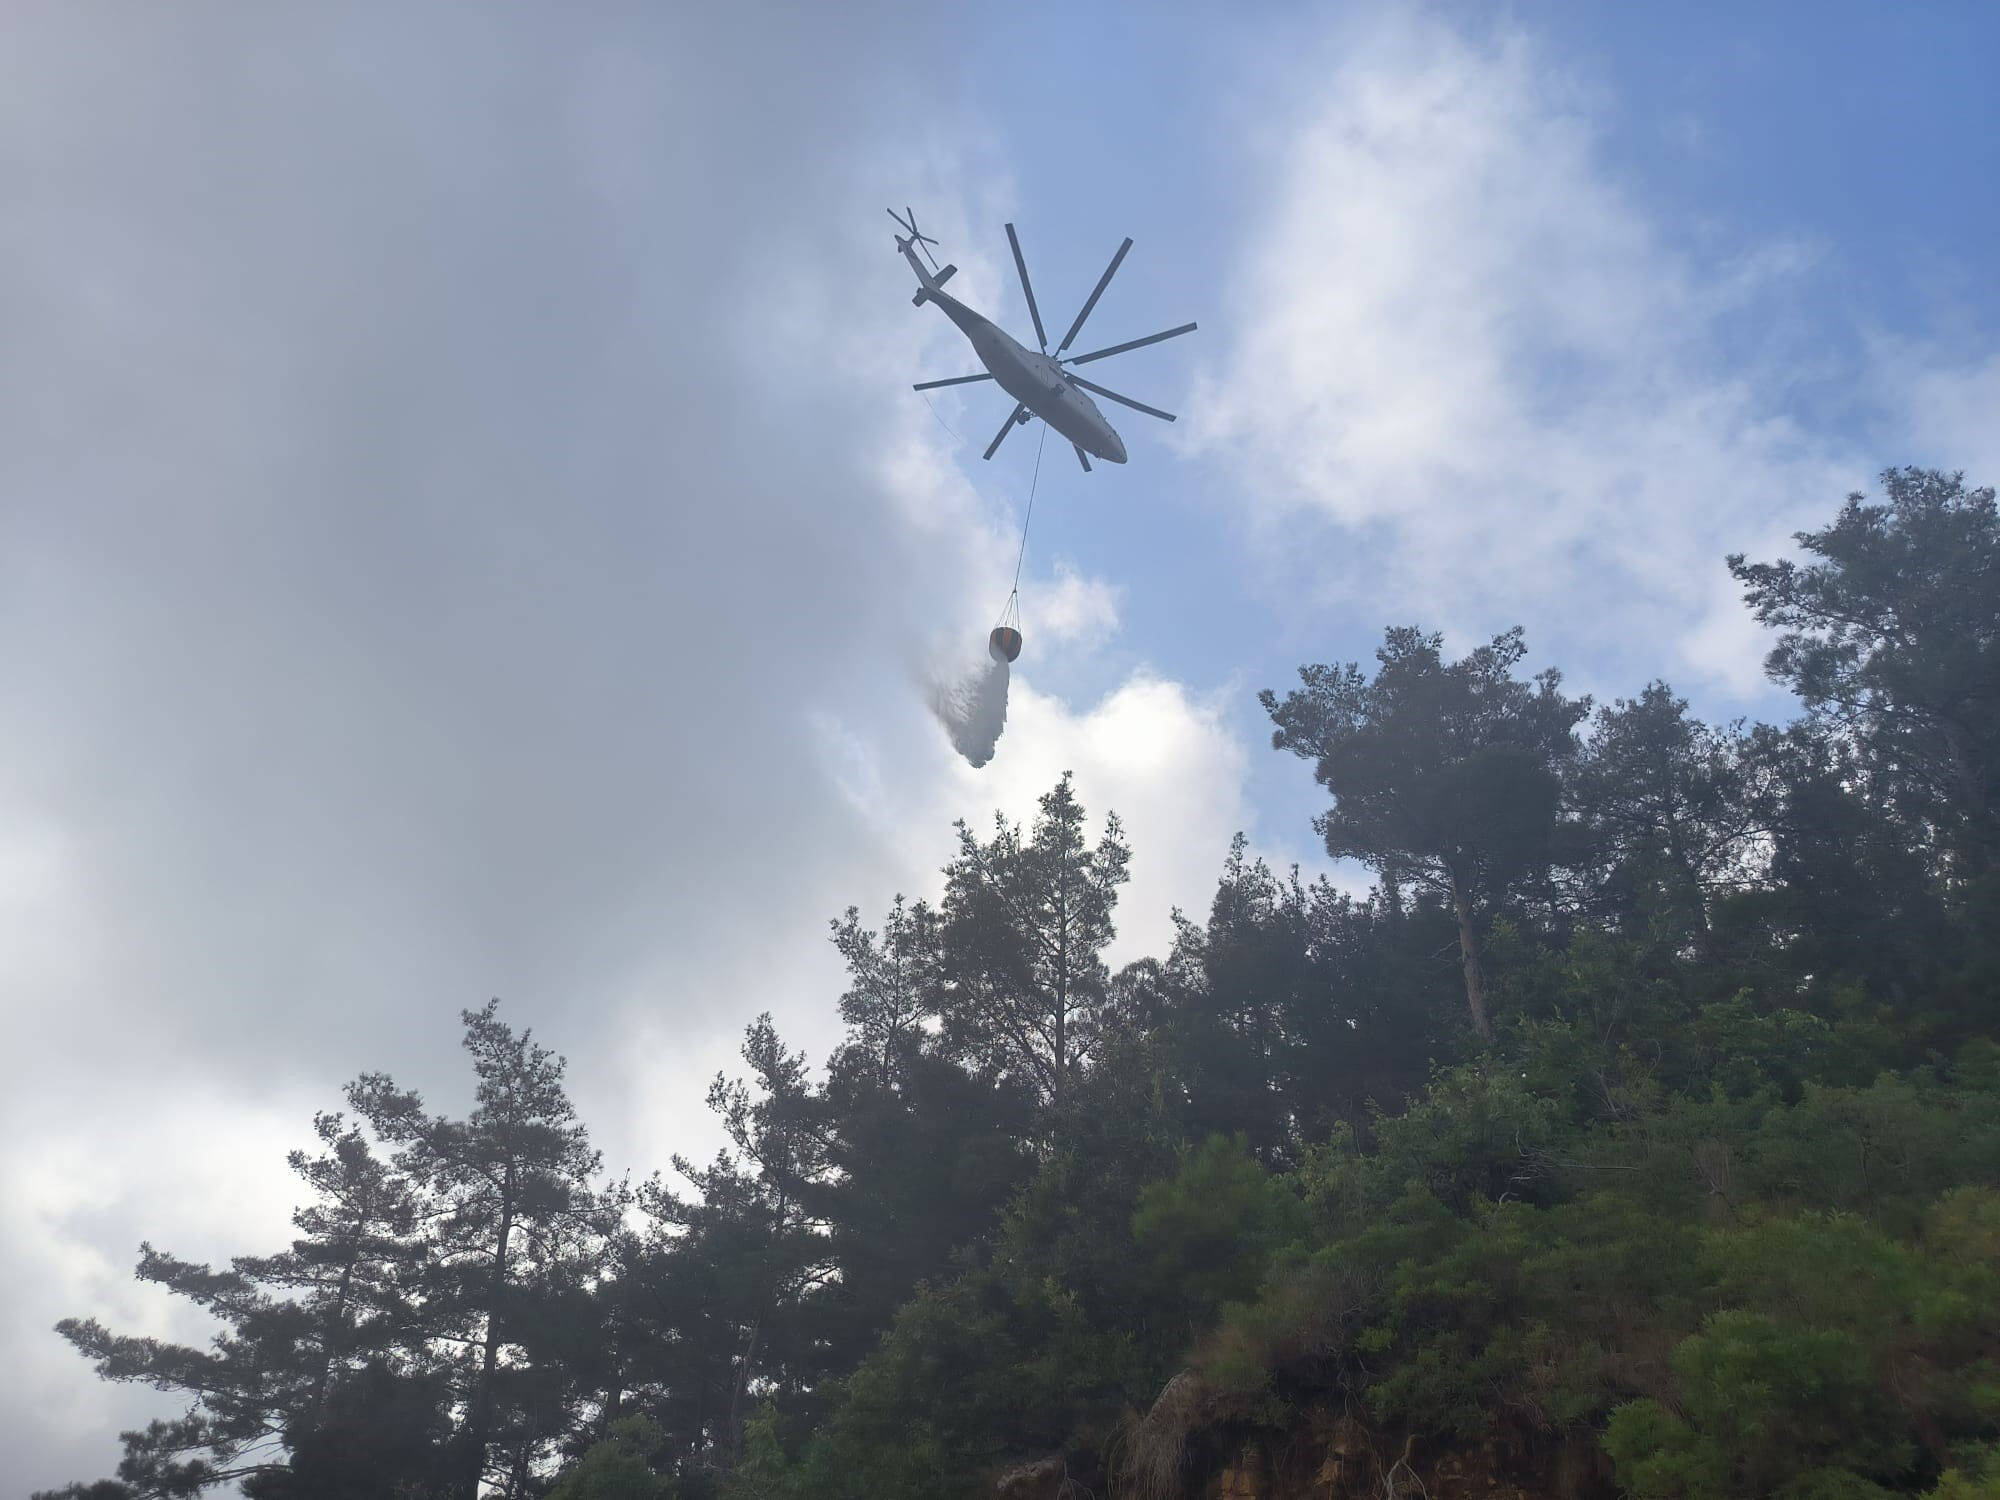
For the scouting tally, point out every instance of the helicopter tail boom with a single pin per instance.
(914, 246)
(927, 280)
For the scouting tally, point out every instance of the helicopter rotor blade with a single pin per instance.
(1171, 333)
(931, 385)
(1013, 417)
(1033, 311)
(1082, 457)
(1151, 411)
(1102, 282)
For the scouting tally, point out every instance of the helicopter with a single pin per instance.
(1039, 383)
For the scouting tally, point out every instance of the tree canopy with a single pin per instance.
(1637, 1132)
(1446, 774)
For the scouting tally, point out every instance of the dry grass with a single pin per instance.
(1047, 1479)
(1153, 1452)
(1304, 1320)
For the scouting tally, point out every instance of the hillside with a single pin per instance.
(1638, 1133)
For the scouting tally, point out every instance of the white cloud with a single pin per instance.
(1464, 343)
(1076, 611)
(1164, 759)
(1167, 762)
(482, 542)
(1952, 411)
(486, 542)
(199, 1175)
(43, 905)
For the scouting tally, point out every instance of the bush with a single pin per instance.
(1766, 1407)
(617, 1468)
(1207, 1234)
(1885, 1151)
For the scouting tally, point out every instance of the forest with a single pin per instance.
(1637, 1133)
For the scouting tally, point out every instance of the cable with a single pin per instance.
(940, 418)
(1011, 610)
(1032, 483)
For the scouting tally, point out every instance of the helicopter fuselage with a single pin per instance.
(1033, 379)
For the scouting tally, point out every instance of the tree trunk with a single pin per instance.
(1697, 899)
(1972, 787)
(767, 1308)
(741, 1387)
(482, 1404)
(1060, 1074)
(1468, 953)
(1062, 986)
(323, 1387)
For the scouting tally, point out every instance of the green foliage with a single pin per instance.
(1208, 1233)
(619, 1467)
(1747, 1047)
(1802, 1354)
(1714, 1176)
(1479, 1132)
(1842, 1350)
(1443, 773)
(1545, 1308)
(762, 1471)
(1963, 1228)
(1977, 1066)
(936, 1405)
(1027, 915)
(1307, 1317)
(1767, 1406)
(1977, 1477)
(1673, 810)
(1885, 1151)
(381, 1432)
(1297, 1005)
(1892, 631)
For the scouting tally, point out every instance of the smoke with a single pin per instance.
(973, 710)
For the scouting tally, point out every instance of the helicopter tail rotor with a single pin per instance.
(908, 220)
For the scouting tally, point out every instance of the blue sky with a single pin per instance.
(465, 528)
(1866, 138)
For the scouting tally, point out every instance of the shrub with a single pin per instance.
(617, 1467)
(1207, 1233)
(1766, 1406)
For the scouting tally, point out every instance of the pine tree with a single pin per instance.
(512, 1216)
(1680, 813)
(1442, 774)
(295, 1325)
(1027, 920)
(894, 986)
(1894, 636)
(1295, 1006)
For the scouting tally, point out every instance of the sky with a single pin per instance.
(466, 531)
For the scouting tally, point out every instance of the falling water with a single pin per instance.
(973, 710)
